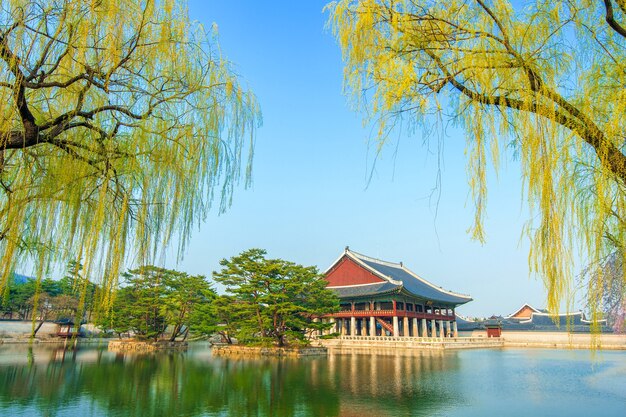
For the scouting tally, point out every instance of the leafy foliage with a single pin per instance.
(274, 300)
(154, 298)
(607, 287)
(46, 299)
(543, 78)
(121, 123)
(216, 317)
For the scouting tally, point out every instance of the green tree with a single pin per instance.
(153, 299)
(607, 288)
(143, 302)
(119, 319)
(43, 308)
(216, 317)
(183, 293)
(275, 300)
(543, 78)
(46, 307)
(74, 284)
(16, 301)
(20, 296)
(121, 124)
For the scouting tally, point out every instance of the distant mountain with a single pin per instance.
(20, 279)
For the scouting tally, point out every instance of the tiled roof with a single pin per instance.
(567, 322)
(398, 277)
(416, 285)
(365, 290)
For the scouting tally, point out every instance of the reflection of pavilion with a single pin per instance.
(411, 379)
(380, 298)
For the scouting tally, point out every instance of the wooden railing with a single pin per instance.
(390, 313)
(493, 340)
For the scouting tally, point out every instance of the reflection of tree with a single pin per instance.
(167, 385)
(191, 384)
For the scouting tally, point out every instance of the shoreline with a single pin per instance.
(479, 339)
(238, 351)
(354, 346)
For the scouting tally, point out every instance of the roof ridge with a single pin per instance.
(521, 308)
(362, 260)
(372, 259)
(400, 265)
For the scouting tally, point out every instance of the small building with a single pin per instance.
(494, 328)
(66, 328)
(524, 312)
(380, 298)
(528, 317)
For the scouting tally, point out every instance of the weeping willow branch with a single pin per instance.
(120, 126)
(544, 78)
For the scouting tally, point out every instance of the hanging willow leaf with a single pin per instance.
(120, 125)
(544, 78)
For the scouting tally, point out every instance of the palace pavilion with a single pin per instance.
(380, 298)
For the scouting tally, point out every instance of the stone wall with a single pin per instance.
(137, 346)
(563, 339)
(20, 329)
(255, 351)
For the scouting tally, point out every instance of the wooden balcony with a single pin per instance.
(390, 313)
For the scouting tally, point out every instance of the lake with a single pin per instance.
(48, 381)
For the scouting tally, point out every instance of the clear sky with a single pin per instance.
(311, 195)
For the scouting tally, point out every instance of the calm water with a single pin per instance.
(93, 382)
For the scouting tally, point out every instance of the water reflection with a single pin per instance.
(47, 380)
(91, 381)
(389, 382)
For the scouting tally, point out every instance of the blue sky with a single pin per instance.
(311, 195)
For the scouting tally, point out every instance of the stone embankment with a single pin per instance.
(479, 339)
(564, 340)
(256, 351)
(140, 346)
(411, 342)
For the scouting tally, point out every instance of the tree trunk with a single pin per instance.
(37, 328)
(175, 332)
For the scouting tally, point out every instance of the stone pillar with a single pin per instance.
(363, 326)
(372, 326)
(424, 328)
(455, 330)
(396, 331)
(405, 327)
(433, 328)
(333, 328)
(343, 326)
(447, 328)
(415, 333)
(352, 326)
(441, 333)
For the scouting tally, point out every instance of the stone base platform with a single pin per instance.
(256, 351)
(139, 346)
(411, 342)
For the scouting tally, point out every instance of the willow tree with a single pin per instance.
(543, 78)
(120, 125)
